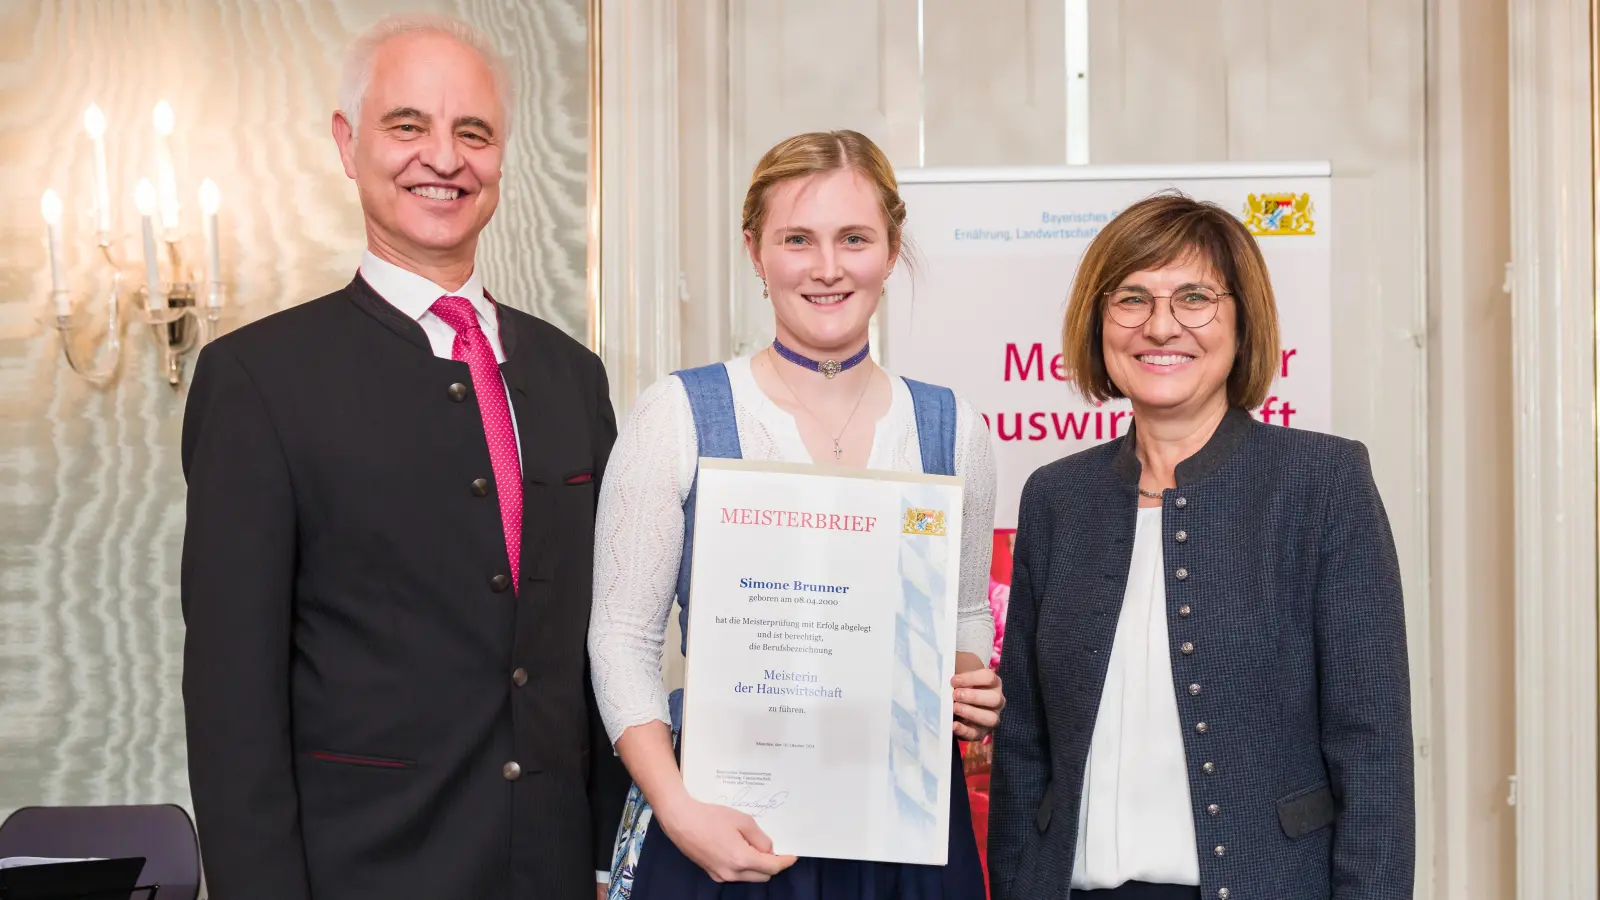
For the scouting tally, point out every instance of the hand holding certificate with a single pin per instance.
(821, 648)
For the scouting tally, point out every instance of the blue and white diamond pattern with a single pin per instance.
(915, 760)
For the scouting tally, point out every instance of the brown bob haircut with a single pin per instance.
(1155, 232)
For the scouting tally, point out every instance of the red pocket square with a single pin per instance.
(580, 478)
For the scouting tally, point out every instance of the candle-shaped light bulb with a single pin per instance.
(94, 123)
(145, 198)
(210, 197)
(162, 119)
(210, 200)
(50, 208)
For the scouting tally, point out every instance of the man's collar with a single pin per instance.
(413, 294)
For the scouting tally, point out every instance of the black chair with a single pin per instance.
(163, 835)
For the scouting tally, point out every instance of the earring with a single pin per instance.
(763, 288)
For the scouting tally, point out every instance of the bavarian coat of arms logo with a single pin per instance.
(1279, 215)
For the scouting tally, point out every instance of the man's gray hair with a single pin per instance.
(356, 75)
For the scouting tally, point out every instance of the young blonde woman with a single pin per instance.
(822, 224)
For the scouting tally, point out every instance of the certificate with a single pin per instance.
(822, 622)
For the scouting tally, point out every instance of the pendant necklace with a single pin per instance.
(838, 451)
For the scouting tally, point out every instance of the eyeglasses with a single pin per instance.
(1192, 307)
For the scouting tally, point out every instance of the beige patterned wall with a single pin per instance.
(91, 494)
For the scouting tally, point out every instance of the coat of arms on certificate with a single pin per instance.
(924, 521)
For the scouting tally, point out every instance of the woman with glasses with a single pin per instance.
(1205, 649)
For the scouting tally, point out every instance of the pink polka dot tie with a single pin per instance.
(472, 347)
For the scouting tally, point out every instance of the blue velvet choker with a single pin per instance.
(828, 367)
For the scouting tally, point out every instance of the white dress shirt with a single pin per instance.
(1136, 822)
(415, 295)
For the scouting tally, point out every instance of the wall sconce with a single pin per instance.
(168, 305)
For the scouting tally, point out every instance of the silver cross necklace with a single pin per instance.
(838, 451)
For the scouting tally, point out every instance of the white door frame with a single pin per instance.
(1553, 334)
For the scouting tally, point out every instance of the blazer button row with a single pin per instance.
(511, 771)
(1209, 768)
(519, 677)
(1187, 648)
(1214, 810)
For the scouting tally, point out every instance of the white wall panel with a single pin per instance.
(994, 82)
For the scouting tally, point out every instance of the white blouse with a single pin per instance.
(639, 526)
(1135, 822)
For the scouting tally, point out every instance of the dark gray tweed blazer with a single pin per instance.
(1288, 663)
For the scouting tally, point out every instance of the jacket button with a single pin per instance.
(1209, 768)
(1181, 574)
(511, 771)
(1221, 850)
(519, 677)
(1181, 536)
(1202, 727)
(1194, 690)
(1213, 810)
(499, 583)
(1223, 894)
(1187, 648)
(1181, 502)
(458, 392)
(1184, 611)
(480, 487)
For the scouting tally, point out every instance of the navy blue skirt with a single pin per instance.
(664, 873)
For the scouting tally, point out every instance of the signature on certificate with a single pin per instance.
(753, 803)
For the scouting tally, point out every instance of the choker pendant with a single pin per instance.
(828, 367)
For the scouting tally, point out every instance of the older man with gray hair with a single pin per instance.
(388, 556)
